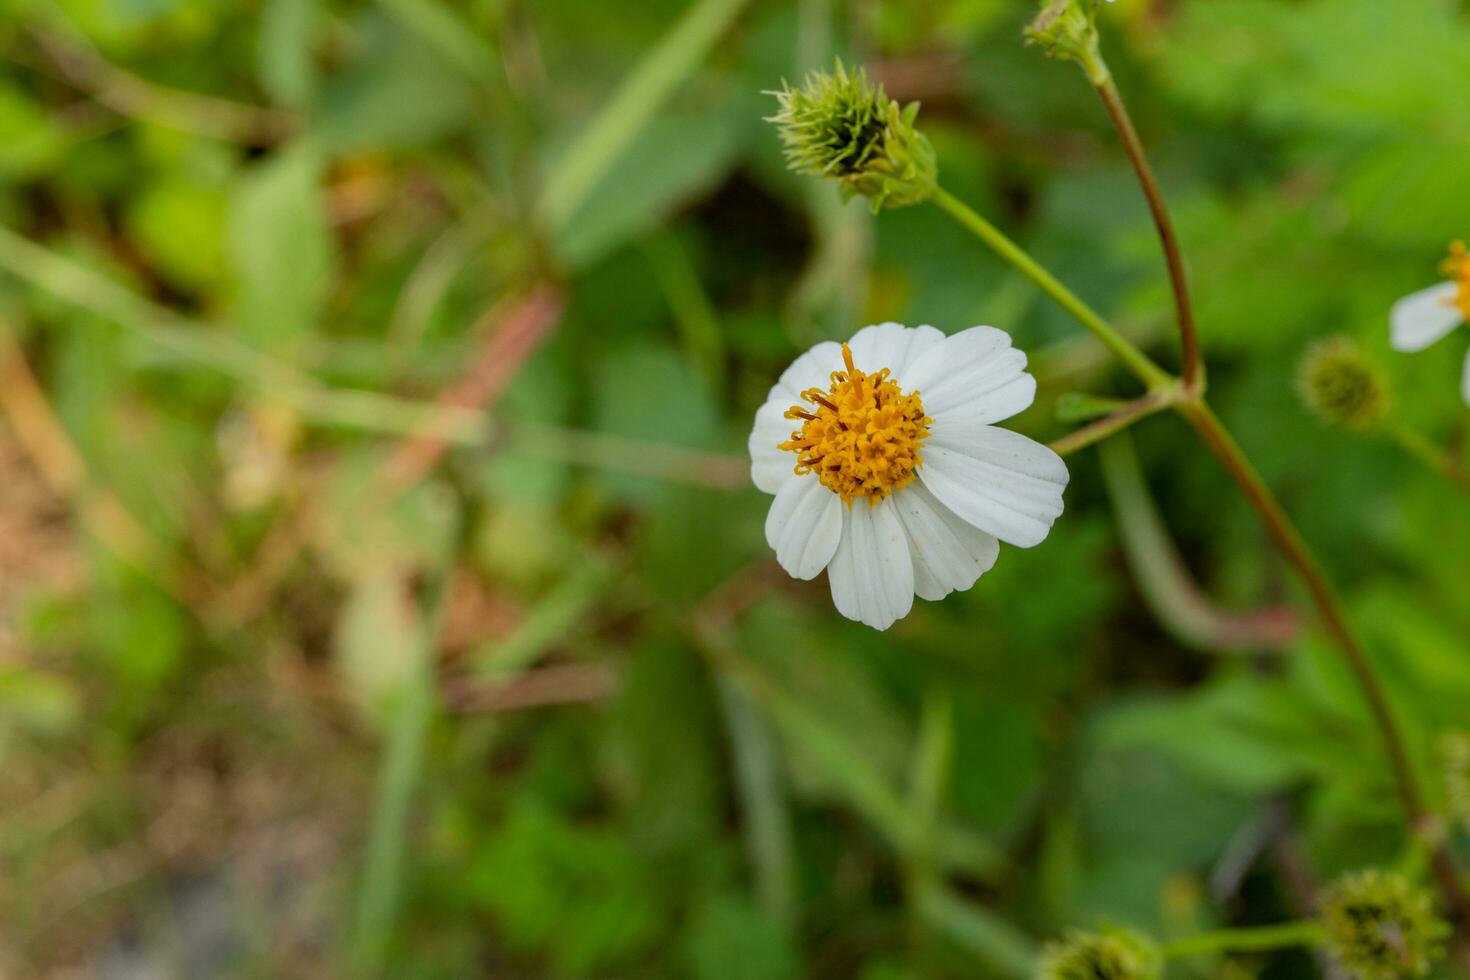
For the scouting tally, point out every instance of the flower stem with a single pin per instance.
(1133, 359)
(1283, 533)
(1305, 933)
(1427, 453)
(1192, 370)
(1290, 543)
(1134, 411)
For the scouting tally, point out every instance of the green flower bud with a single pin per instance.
(1380, 926)
(1067, 30)
(1454, 754)
(842, 126)
(1341, 385)
(1112, 954)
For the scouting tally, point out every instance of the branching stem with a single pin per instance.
(1134, 411)
(1282, 531)
(1133, 359)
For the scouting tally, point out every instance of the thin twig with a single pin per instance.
(1439, 460)
(137, 98)
(1192, 368)
(100, 511)
(1134, 359)
(540, 687)
(1139, 408)
(696, 467)
(518, 332)
(1163, 580)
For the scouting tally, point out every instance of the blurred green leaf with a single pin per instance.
(284, 50)
(283, 249)
(733, 940)
(181, 227)
(675, 158)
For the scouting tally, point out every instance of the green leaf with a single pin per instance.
(395, 93)
(731, 939)
(282, 247)
(675, 159)
(180, 227)
(379, 641)
(284, 50)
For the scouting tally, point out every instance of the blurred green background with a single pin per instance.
(381, 588)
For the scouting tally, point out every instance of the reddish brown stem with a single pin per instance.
(1192, 369)
(1289, 541)
(518, 331)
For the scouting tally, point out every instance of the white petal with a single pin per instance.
(1465, 380)
(974, 376)
(804, 525)
(872, 576)
(1422, 318)
(769, 466)
(949, 555)
(810, 370)
(891, 345)
(998, 480)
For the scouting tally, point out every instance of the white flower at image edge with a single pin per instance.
(1422, 318)
(889, 471)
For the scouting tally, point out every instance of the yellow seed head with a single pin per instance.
(1112, 954)
(1380, 926)
(1341, 385)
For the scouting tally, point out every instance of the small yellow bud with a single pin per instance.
(843, 127)
(1112, 954)
(1380, 926)
(1341, 385)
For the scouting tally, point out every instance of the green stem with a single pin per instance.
(1430, 455)
(1139, 408)
(1252, 938)
(399, 774)
(1133, 359)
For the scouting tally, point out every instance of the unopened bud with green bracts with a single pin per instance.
(1378, 925)
(1067, 30)
(1111, 954)
(842, 126)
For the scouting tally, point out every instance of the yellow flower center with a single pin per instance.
(861, 436)
(1457, 267)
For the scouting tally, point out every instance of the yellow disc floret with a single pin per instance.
(1457, 267)
(861, 436)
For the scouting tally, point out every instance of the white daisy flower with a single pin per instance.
(898, 482)
(1424, 317)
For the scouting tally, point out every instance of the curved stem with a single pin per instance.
(1192, 370)
(1306, 933)
(1427, 453)
(1133, 359)
(1290, 543)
